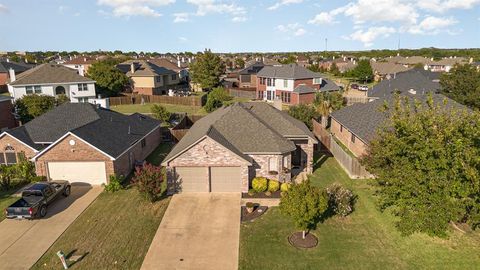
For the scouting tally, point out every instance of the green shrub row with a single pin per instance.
(262, 184)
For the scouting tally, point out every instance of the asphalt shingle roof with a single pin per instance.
(109, 131)
(288, 72)
(145, 68)
(254, 127)
(415, 79)
(49, 73)
(18, 67)
(304, 89)
(329, 85)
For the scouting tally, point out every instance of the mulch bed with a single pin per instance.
(257, 212)
(296, 240)
(261, 195)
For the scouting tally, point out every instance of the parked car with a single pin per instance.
(36, 198)
(363, 88)
(354, 86)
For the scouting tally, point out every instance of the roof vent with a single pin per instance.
(412, 91)
(129, 130)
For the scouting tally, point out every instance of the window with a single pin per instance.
(82, 87)
(82, 99)
(317, 80)
(285, 83)
(158, 79)
(33, 89)
(260, 94)
(341, 128)
(174, 77)
(352, 138)
(2, 158)
(262, 81)
(143, 142)
(269, 95)
(269, 82)
(286, 97)
(272, 164)
(10, 155)
(285, 162)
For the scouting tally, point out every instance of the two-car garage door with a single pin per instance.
(87, 172)
(209, 179)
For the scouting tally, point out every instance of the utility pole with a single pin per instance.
(326, 47)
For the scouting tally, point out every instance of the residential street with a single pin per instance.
(25, 241)
(198, 231)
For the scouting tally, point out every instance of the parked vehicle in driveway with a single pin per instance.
(363, 88)
(36, 198)
(354, 86)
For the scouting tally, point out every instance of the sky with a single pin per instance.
(237, 25)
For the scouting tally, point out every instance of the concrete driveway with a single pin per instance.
(198, 231)
(23, 242)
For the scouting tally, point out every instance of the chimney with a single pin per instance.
(11, 73)
(8, 60)
(132, 68)
(179, 63)
(189, 60)
(84, 59)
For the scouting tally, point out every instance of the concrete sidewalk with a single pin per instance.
(23, 242)
(198, 231)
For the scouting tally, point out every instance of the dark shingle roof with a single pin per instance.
(49, 73)
(329, 85)
(288, 72)
(18, 67)
(254, 127)
(145, 68)
(304, 89)
(109, 131)
(415, 79)
(364, 119)
(252, 69)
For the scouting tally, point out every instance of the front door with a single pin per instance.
(297, 157)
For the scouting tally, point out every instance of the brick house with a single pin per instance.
(5, 67)
(291, 83)
(7, 120)
(81, 142)
(226, 149)
(247, 77)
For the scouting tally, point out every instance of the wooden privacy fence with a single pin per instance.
(185, 123)
(140, 99)
(350, 164)
(249, 93)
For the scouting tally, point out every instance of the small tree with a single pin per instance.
(305, 204)
(160, 112)
(304, 113)
(363, 71)
(109, 80)
(149, 179)
(216, 99)
(30, 106)
(207, 70)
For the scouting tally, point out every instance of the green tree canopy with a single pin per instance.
(304, 113)
(462, 84)
(217, 98)
(30, 106)
(207, 69)
(160, 112)
(426, 160)
(305, 204)
(110, 80)
(362, 72)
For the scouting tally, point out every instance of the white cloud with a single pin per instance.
(284, 3)
(381, 11)
(181, 17)
(182, 39)
(323, 18)
(127, 8)
(367, 37)
(432, 25)
(445, 5)
(3, 8)
(205, 7)
(294, 29)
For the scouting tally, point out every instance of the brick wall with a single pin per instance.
(7, 140)
(261, 167)
(308, 82)
(3, 82)
(306, 98)
(143, 90)
(358, 148)
(6, 117)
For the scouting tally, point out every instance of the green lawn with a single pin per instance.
(367, 239)
(114, 232)
(145, 109)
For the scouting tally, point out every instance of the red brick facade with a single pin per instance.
(3, 82)
(6, 117)
(7, 140)
(356, 146)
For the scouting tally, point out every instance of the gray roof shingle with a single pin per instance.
(288, 72)
(49, 73)
(415, 79)
(18, 67)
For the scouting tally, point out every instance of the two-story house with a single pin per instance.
(52, 80)
(147, 78)
(5, 66)
(247, 77)
(81, 64)
(291, 83)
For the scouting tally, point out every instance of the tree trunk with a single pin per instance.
(303, 234)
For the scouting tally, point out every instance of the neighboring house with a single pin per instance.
(5, 67)
(290, 83)
(80, 64)
(303, 61)
(414, 61)
(412, 81)
(82, 143)
(343, 64)
(52, 80)
(247, 77)
(226, 149)
(180, 67)
(386, 70)
(146, 78)
(356, 126)
(445, 64)
(7, 120)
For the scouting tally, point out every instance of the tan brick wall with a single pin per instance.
(358, 148)
(7, 140)
(261, 167)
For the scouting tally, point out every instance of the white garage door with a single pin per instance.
(225, 179)
(192, 179)
(86, 172)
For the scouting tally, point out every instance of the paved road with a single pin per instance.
(198, 231)
(23, 242)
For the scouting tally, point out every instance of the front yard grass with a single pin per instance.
(114, 232)
(146, 109)
(367, 239)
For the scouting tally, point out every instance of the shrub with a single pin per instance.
(340, 199)
(273, 185)
(115, 183)
(285, 187)
(16, 174)
(160, 112)
(217, 98)
(149, 179)
(259, 184)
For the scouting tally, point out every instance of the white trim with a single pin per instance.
(64, 136)
(64, 83)
(156, 128)
(5, 133)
